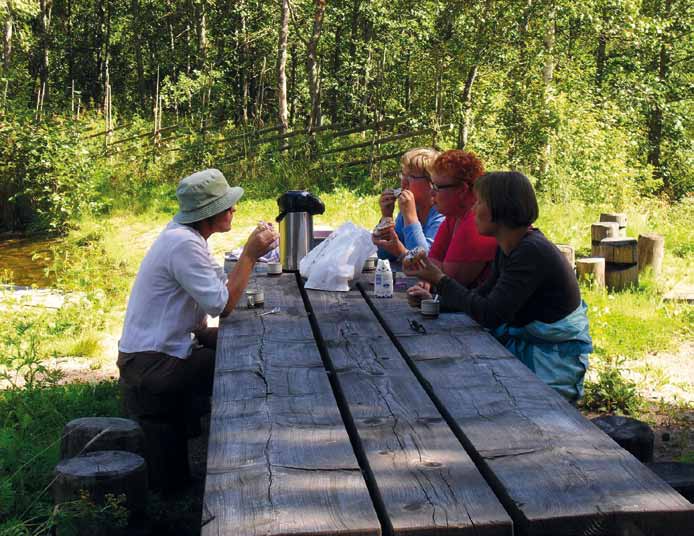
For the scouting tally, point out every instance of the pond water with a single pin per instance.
(26, 260)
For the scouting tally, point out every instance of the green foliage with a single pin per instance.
(47, 174)
(73, 518)
(612, 391)
(31, 423)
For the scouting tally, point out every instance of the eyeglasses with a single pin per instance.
(436, 187)
(402, 176)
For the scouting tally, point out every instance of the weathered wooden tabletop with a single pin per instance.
(334, 416)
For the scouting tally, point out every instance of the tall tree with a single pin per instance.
(282, 114)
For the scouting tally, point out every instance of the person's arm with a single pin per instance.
(390, 246)
(259, 243)
(465, 273)
(516, 282)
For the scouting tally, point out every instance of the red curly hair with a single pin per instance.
(460, 165)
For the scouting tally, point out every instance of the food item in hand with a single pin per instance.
(383, 226)
(397, 192)
(412, 257)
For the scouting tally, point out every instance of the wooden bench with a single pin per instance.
(343, 420)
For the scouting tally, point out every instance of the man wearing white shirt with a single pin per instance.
(166, 346)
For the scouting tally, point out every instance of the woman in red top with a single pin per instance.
(458, 249)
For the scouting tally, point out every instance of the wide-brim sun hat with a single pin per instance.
(204, 194)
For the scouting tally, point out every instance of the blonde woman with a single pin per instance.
(418, 219)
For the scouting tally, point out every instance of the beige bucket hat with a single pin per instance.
(204, 194)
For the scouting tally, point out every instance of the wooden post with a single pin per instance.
(650, 252)
(620, 256)
(591, 270)
(90, 434)
(618, 217)
(569, 253)
(601, 230)
(101, 473)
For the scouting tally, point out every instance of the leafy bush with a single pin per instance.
(612, 392)
(46, 173)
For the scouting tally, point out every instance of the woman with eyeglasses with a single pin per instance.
(418, 220)
(459, 250)
(531, 301)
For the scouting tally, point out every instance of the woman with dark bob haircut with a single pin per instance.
(531, 301)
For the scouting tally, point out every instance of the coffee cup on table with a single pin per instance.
(254, 297)
(274, 268)
(414, 301)
(430, 308)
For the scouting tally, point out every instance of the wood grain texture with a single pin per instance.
(279, 458)
(555, 472)
(428, 483)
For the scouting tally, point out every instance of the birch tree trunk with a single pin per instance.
(137, 44)
(466, 98)
(548, 79)
(655, 112)
(282, 113)
(312, 66)
(7, 39)
(46, 7)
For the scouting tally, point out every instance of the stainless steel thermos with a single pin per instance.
(297, 209)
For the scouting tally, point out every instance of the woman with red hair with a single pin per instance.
(458, 249)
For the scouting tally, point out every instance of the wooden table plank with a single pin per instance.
(279, 458)
(427, 482)
(556, 473)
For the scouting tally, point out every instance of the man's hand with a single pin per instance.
(387, 203)
(407, 206)
(260, 241)
(425, 270)
(389, 242)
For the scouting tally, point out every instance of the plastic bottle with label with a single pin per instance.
(383, 280)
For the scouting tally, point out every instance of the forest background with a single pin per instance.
(106, 104)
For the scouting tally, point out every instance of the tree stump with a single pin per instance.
(621, 269)
(679, 475)
(592, 270)
(90, 434)
(630, 434)
(651, 249)
(599, 231)
(569, 253)
(100, 473)
(618, 217)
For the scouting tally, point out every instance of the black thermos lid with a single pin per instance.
(299, 201)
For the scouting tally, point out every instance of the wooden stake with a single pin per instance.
(651, 249)
(569, 253)
(591, 270)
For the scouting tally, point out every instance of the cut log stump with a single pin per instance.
(632, 435)
(651, 249)
(90, 434)
(618, 217)
(621, 269)
(592, 270)
(599, 231)
(679, 475)
(569, 253)
(101, 473)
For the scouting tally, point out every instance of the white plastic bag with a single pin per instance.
(336, 260)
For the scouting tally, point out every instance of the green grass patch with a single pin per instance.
(31, 424)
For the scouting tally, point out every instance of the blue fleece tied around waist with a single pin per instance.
(557, 353)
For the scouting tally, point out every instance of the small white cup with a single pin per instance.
(254, 297)
(430, 308)
(274, 268)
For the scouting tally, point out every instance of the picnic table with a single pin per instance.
(335, 416)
